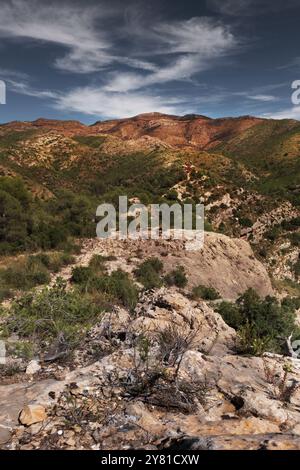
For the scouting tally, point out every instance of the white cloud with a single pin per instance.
(10, 74)
(198, 35)
(196, 44)
(24, 89)
(289, 113)
(82, 30)
(96, 102)
(264, 98)
(70, 26)
(176, 50)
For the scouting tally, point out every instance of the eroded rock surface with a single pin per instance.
(206, 397)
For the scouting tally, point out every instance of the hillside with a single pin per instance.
(243, 169)
(142, 344)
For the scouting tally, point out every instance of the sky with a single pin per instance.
(104, 59)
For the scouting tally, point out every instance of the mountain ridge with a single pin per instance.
(195, 131)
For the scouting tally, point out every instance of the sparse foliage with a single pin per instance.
(177, 277)
(205, 293)
(148, 273)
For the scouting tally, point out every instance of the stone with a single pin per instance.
(296, 430)
(139, 413)
(32, 414)
(5, 434)
(33, 367)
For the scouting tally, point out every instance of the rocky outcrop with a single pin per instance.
(203, 396)
(228, 265)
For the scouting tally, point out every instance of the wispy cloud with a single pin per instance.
(70, 26)
(95, 102)
(264, 98)
(90, 43)
(294, 63)
(24, 88)
(191, 46)
(288, 113)
(249, 7)
(163, 52)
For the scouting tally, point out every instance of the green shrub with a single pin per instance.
(25, 274)
(273, 234)
(42, 316)
(292, 303)
(148, 273)
(177, 277)
(97, 262)
(13, 224)
(290, 225)
(117, 286)
(172, 195)
(31, 271)
(53, 261)
(245, 222)
(120, 286)
(206, 293)
(81, 274)
(262, 325)
(251, 342)
(32, 224)
(231, 314)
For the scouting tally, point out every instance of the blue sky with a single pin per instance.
(102, 59)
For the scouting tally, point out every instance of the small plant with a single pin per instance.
(148, 273)
(173, 343)
(81, 274)
(117, 285)
(205, 293)
(143, 346)
(283, 388)
(43, 316)
(21, 349)
(250, 342)
(177, 277)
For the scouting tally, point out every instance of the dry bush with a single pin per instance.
(155, 380)
(281, 388)
(173, 343)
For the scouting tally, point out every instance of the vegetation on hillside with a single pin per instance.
(262, 325)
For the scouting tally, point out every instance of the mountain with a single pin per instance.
(194, 131)
(245, 170)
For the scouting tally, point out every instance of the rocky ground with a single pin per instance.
(229, 265)
(165, 375)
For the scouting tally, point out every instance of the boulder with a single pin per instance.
(33, 367)
(32, 414)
